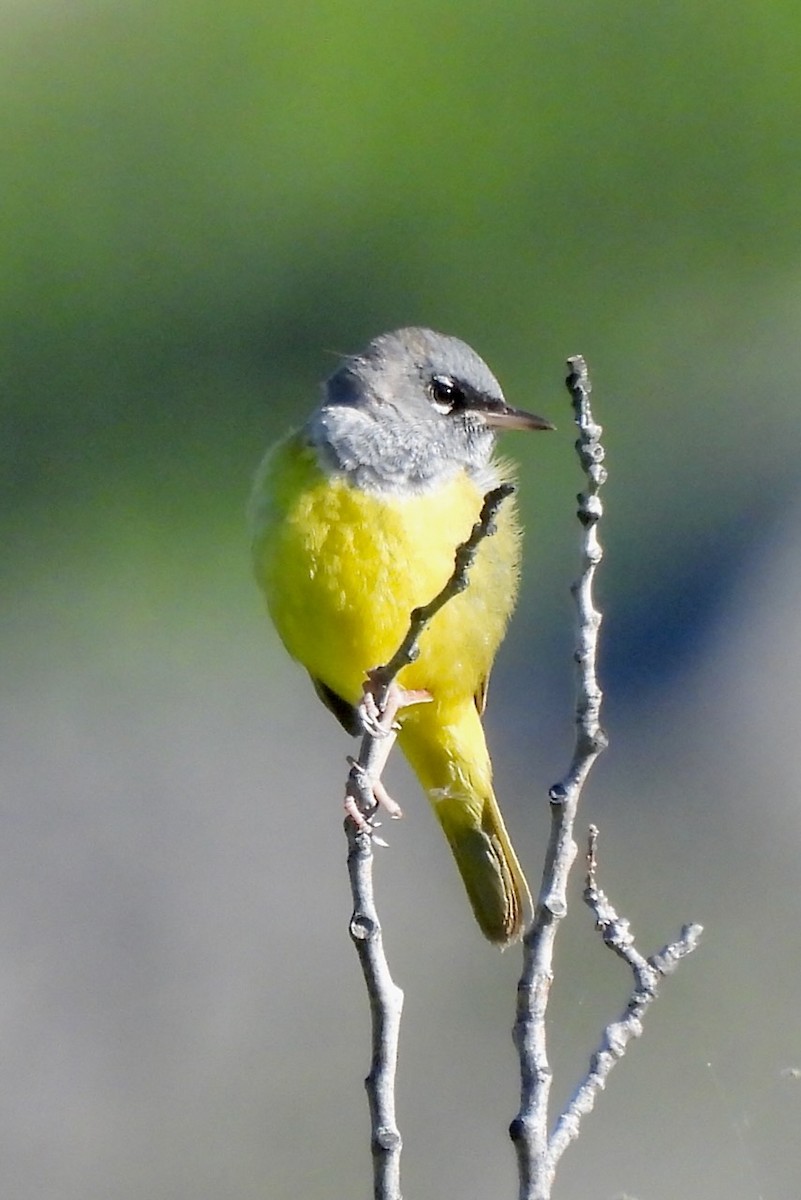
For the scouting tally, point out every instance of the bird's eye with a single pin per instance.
(445, 394)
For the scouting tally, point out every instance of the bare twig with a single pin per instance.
(647, 973)
(530, 1129)
(538, 1149)
(386, 1006)
(464, 558)
(386, 998)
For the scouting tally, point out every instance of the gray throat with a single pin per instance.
(384, 452)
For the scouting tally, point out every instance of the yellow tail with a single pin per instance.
(449, 755)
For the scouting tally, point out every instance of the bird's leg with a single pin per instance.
(379, 708)
(377, 763)
(368, 780)
(382, 702)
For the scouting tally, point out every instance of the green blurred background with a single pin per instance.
(204, 205)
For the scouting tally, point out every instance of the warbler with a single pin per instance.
(355, 518)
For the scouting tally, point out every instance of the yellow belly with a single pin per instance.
(342, 569)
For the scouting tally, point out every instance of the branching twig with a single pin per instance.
(539, 1150)
(647, 974)
(530, 1130)
(386, 998)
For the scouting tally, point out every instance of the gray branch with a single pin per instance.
(386, 1006)
(538, 1148)
(386, 998)
(647, 972)
(530, 1128)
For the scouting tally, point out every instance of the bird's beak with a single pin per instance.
(501, 416)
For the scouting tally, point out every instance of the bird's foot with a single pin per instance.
(363, 783)
(385, 801)
(380, 704)
(364, 824)
(379, 707)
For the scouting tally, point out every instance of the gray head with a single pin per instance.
(412, 409)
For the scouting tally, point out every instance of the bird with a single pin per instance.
(355, 518)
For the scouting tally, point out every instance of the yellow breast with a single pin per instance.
(342, 569)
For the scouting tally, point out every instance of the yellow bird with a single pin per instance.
(355, 520)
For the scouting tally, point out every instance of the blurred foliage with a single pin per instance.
(203, 201)
(205, 204)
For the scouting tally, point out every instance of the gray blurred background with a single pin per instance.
(202, 206)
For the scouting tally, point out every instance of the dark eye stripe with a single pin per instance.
(446, 393)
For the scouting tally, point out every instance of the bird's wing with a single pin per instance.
(345, 713)
(480, 698)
